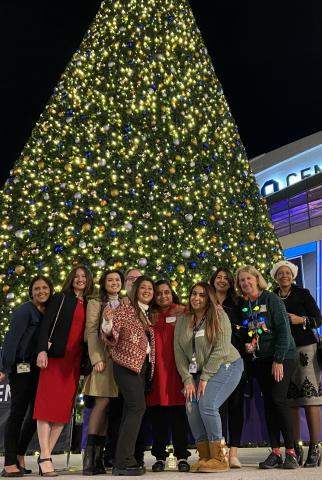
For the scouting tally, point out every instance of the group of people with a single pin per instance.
(166, 364)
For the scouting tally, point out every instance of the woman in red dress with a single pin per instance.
(166, 402)
(60, 350)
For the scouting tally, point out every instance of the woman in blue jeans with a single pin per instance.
(210, 368)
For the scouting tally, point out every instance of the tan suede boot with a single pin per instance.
(218, 461)
(204, 455)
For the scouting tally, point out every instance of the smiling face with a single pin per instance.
(163, 296)
(145, 292)
(79, 281)
(248, 284)
(198, 299)
(284, 277)
(113, 283)
(40, 292)
(221, 282)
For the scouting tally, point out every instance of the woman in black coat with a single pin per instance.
(19, 364)
(305, 387)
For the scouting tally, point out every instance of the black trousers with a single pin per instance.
(20, 426)
(277, 412)
(162, 420)
(232, 415)
(132, 387)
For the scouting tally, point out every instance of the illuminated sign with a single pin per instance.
(290, 171)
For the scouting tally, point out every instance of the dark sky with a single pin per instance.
(267, 55)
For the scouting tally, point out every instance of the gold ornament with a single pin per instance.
(86, 227)
(251, 236)
(19, 269)
(180, 268)
(68, 167)
(118, 265)
(41, 165)
(5, 288)
(101, 228)
(174, 283)
(172, 170)
(115, 192)
(24, 253)
(103, 203)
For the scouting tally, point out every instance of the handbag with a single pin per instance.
(86, 366)
(56, 318)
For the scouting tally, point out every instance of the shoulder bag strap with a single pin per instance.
(57, 315)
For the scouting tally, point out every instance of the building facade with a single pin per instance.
(290, 178)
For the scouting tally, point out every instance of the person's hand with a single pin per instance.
(201, 388)
(125, 301)
(99, 367)
(219, 308)
(108, 313)
(189, 391)
(42, 360)
(2, 376)
(295, 319)
(249, 348)
(277, 371)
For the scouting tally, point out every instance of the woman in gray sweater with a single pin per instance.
(210, 368)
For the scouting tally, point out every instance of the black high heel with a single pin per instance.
(46, 474)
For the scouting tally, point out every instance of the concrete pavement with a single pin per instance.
(248, 456)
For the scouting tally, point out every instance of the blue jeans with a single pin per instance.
(203, 415)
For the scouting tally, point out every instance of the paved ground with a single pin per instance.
(248, 456)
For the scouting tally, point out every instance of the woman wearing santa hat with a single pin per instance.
(305, 386)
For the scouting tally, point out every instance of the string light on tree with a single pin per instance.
(135, 160)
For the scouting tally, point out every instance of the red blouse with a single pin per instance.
(167, 384)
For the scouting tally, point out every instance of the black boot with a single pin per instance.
(99, 454)
(88, 460)
(299, 453)
(313, 456)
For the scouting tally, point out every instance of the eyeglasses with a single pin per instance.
(132, 279)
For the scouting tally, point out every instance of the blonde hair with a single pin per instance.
(261, 283)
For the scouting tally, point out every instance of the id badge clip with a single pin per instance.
(23, 367)
(193, 367)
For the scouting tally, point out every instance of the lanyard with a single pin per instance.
(196, 329)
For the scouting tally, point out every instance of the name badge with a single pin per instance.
(170, 319)
(23, 367)
(263, 308)
(200, 333)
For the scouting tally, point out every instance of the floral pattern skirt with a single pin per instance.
(305, 385)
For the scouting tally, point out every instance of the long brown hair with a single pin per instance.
(134, 299)
(213, 326)
(68, 283)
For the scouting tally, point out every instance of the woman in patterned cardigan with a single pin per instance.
(128, 333)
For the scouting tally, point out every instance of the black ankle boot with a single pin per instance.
(98, 459)
(313, 456)
(88, 461)
(299, 453)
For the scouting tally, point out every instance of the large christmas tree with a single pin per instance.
(136, 161)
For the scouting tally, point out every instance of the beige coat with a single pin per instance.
(98, 384)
